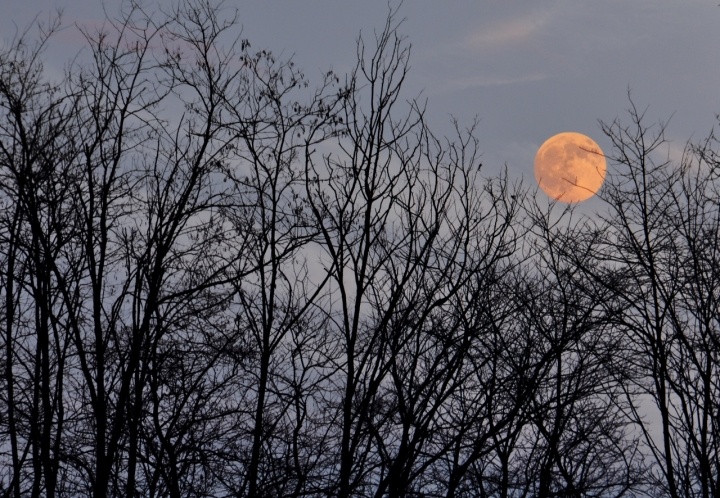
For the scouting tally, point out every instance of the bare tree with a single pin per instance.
(36, 161)
(654, 253)
(578, 441)
(409, 235)
(219, 280)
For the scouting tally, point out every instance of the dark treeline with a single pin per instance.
(219, 279)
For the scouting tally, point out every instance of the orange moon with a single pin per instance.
(570, 167)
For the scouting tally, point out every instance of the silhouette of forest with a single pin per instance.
(219, 278)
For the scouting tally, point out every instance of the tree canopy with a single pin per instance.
(219, 278)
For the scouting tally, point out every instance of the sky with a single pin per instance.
(526, 70)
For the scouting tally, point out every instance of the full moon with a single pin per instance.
(570, 167)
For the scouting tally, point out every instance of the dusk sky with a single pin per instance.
(192, 308)
(526, 70)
